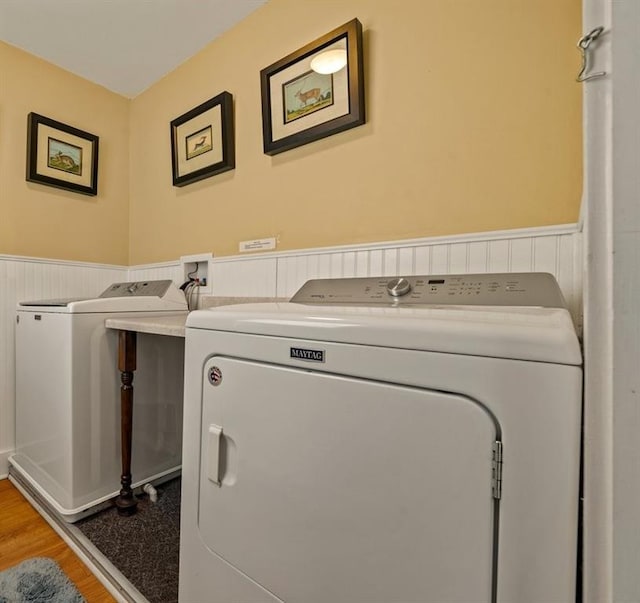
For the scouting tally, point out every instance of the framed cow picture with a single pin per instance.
(314, 92)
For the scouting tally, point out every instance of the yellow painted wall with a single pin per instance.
(41, 221)
(473, 124)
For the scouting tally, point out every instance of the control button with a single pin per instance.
(398, 287)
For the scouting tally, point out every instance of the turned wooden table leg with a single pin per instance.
(126, 502)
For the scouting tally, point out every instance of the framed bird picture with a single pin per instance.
(202, 141)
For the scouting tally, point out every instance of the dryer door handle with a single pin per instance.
(213, 453)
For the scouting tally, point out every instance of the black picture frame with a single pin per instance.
(279, 136)
(61, 156)
(207, 128)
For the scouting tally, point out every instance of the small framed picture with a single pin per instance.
(202, 141)
(314, 92)
(61, 156)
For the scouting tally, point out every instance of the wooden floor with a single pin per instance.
(24, 534)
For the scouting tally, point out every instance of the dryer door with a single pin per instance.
(323, 488)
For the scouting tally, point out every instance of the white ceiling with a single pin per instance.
(123, 45)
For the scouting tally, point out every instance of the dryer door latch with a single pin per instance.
(496, 470)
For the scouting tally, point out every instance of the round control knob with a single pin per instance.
(397, 287)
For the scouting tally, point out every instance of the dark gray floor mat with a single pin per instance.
(145, 546)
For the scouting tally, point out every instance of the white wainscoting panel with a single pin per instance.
(253, 276)
(241, 276)
(23, 279)
(556, 249)
(157, 272)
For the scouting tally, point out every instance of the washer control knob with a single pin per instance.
(397, 287)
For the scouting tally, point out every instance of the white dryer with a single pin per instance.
(376, 440)
(68, 448)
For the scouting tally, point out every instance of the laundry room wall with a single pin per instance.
(55, 243)
(41, 221)
(473, 124)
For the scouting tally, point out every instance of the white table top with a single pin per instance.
(172, 325)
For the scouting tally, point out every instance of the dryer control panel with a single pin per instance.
(498, 289)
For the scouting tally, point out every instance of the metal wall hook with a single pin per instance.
(583, 45)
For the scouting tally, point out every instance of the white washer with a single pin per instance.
(411, 440)
(68, 396)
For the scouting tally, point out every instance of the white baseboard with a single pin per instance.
(4, 462)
